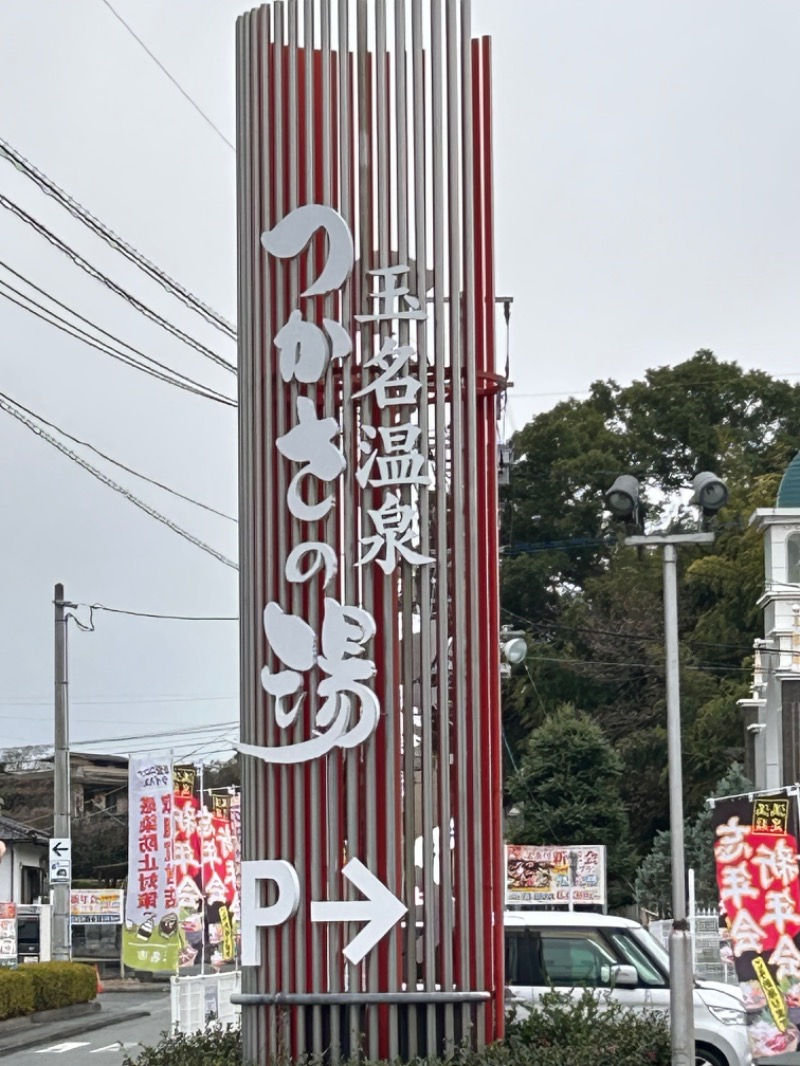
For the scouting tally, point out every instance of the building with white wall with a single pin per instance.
(772, 712)
(23, 862)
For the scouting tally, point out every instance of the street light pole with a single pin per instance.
(681, 987)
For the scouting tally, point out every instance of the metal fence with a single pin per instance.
(203, 999)
(712, 958)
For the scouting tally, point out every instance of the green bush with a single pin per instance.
(587, 1031)
(45, 986)
(217, 1046)
(16, 994)
(561, 1031)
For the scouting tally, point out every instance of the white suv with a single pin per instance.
(572, 950)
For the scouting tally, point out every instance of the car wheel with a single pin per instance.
(706, 1056)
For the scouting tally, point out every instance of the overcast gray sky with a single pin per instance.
(646, 166)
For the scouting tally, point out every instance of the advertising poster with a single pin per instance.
(96, 906)
(538, 875)
(8, 934)
(151, 939)
(207, 871)
(187, 865)
(220, 878)
(755, 853)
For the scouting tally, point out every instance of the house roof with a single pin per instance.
(92, 758)
(13, 832)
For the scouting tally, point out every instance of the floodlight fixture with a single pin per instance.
(515, 651)
(622, 499)
(710, 492)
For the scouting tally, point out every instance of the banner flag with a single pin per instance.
(755, 853)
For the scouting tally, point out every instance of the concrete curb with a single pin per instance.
(45, 1017)
(39, 1034)
(148, 989)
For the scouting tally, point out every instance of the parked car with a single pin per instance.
(573, 950)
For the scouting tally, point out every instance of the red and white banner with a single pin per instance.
(206, 870)
(757, 875)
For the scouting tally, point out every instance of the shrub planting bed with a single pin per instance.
(562, 1031)
(41, 986)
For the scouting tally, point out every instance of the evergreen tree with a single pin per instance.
(567, 788)
(654, 876)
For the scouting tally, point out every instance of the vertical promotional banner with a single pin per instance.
(151, 939)
(206, 871)
(757, 874)
(8, 934)
(187, 865)
(220, 880)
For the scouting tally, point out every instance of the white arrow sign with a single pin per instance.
(60, 849)
(380, 910)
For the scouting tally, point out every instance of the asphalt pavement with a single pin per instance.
(110, 1043)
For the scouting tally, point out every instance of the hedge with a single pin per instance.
(16, 994)
(45, 986)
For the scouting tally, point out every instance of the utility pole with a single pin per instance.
(60, 892)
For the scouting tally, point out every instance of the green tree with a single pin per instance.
(219, 774)
(567, 788)
(654, 876)
(98, 839)
(593, 608)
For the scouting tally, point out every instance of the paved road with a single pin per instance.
(107, 1044)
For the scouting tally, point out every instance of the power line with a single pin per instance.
(8, 405)
(165, 617)
(75, 331)
(191, 731)
(705, 667)
(102, 701)
(121, 466)
(194, 733)
(49, 188)
(93, 272)
(80, 335)
(164, 70)
(623, 634)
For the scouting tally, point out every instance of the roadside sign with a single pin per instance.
(8, 934)
(96, 906)
(60, 860)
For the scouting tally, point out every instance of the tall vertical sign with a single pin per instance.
(756, 858)
(368, 530)
(151, 938)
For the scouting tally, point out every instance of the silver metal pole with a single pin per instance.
(681, 983)
(62, 938)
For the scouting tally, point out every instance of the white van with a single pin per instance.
(572, 950)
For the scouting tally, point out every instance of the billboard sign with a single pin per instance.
(96, 906)
(756, 858)
(543, 876)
